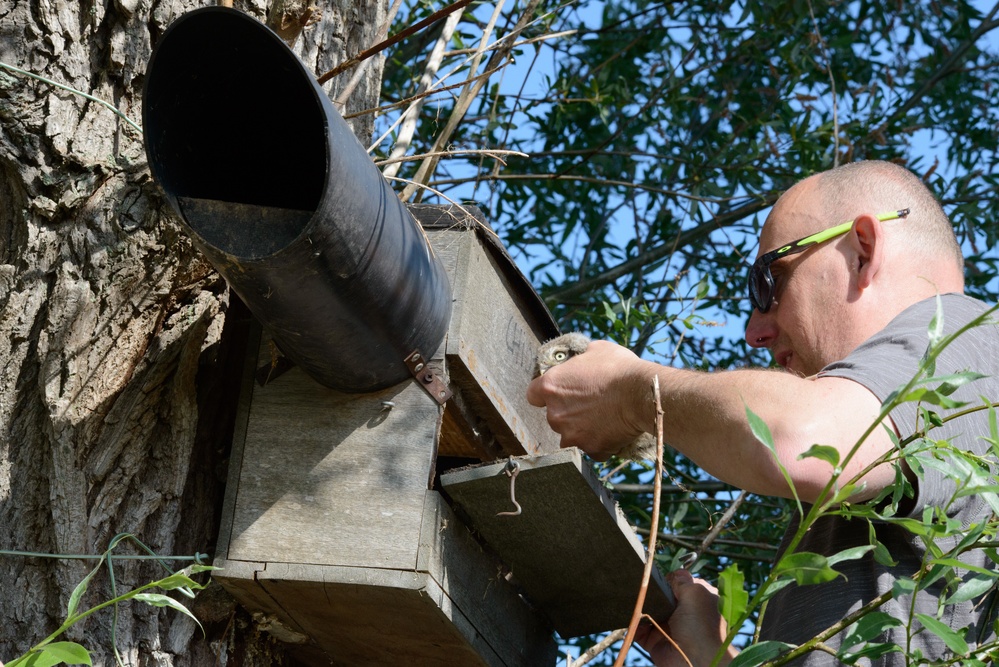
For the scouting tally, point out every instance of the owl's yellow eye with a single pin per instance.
(561, 356)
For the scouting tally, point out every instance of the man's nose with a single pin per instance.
(761, 329)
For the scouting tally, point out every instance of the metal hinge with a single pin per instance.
(427, 378)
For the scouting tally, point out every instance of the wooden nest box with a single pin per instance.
(345, 530)
(341, 538)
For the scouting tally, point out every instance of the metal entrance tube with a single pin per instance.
(279, 195)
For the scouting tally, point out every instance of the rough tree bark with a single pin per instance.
(118, 344)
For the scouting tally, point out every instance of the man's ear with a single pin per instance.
(868, 240)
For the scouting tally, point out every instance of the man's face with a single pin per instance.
(809, 325)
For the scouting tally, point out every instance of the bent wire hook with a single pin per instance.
(511, 469)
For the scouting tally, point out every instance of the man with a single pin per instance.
(846, 313)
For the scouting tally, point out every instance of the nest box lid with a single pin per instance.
(571, 549)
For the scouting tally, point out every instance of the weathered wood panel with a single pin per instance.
(571, 549)
(334, 541)
(497, 325)
(453, 608)
(474, 580)
(331, 478)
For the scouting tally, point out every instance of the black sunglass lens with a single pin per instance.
(760, 288)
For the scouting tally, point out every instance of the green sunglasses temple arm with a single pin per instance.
(833, 232)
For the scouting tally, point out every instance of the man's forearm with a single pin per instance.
(705, 419)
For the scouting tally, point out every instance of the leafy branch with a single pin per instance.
(49, 652)
(808, 568)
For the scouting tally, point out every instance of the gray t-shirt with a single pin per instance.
(883, 364)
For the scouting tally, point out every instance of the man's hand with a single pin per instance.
(599, 401)
(696, 626)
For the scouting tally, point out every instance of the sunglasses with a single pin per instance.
(761, 281)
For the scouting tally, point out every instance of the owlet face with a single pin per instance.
(560, 350)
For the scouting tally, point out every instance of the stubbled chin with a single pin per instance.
(787, 362)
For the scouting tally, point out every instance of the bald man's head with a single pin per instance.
(875, 187)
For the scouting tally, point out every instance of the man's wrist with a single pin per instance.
(644, 404)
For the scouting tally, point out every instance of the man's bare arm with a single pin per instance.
(603, 398)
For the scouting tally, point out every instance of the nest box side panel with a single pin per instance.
(492, 342)
(330, 478)
(456, 608)
(360, 617)
(475, 581)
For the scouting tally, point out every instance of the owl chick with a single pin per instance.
(561, 349)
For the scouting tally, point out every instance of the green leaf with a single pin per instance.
(775, 587)
(850, 554)
(972, 589)
(872, 652)
(160, 600)
(609, 312)
(58, 653)
(924, 395)
(935, 334)
(732, 595)
(954, 641)
(807, 568)
(762, 433)
(869, 627)
(702, 289)
(177, 580)
(883, 556)
(948, 384)
(955, 563)
(760, 653)
(760, 430)
(993, 426)
(78, 592)
(823, 452)
(986, 492)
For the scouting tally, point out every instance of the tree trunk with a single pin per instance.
(120, 347)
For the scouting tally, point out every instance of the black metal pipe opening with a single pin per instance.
(277, 192)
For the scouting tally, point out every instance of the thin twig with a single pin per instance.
(499, 43)
(589, 654)
(82, 94)
(484, 228)
(378, 48)
(523, 42)
(669, 639)
(832, 84)
(702, 487)
(650, 556)
(658, 252)
(494, 153)
(600, 181)
(717, 528)
(412, 114)
(468, 95)
(403, 102)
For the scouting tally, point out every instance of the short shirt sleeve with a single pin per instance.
(891, 358)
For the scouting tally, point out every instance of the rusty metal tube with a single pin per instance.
(276, 191)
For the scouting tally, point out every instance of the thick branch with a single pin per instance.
(654, 254)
